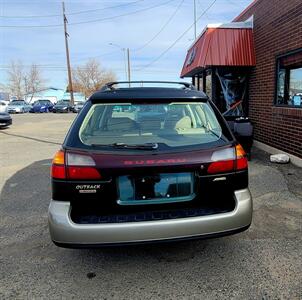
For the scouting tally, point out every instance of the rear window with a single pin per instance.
(17, 103)
(167, 125)
(41, 102)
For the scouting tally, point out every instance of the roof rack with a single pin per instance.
(110, 85)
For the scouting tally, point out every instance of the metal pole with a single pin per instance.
(125, 61)
(67, 56)
(194, 19)
(128, 58)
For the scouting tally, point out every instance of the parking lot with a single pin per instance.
(261, 263)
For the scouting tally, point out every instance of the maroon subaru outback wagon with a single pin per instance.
(144, 164)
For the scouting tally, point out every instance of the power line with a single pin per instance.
(91, 21)
(125, 14)
(72, 13)
(174, 43)
(64, 69)
(163, 27)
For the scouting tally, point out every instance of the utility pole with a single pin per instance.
(67, 56)
(194, 19)
(128, 59)
(125, 62)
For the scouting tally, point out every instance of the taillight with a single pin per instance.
(228, 160)
(58, 172)
(86, 173)
(74, 166)
(221, 166)
(58, 165)
(241, 162)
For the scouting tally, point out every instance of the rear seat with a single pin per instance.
(150, 125)
(121, 124)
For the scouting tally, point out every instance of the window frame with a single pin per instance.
(287, 78)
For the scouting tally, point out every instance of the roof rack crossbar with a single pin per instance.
(110, 85)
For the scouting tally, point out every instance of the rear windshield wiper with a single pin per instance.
(208, 129)
(147, 146)
(213, 132)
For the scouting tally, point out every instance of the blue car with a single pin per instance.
(42, 106)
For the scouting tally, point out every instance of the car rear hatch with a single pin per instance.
(134, 161)
(115, 188)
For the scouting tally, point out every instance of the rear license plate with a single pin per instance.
(156, 189)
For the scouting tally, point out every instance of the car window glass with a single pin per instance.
(173, 124)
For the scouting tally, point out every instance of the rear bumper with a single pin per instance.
(60, 110)
(14, 111)
(5, 122)
(64, 232)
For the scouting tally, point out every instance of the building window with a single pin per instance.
(289, 79)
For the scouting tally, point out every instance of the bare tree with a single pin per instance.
(3, 87)
(15, 79)
(33, 81)
(91, 77)
(21, 82)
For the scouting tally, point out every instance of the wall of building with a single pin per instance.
(277, 30)
(52, 94)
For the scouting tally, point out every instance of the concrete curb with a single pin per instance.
(295, 160)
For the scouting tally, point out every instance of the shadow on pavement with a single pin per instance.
(24, 202)
(33, 267)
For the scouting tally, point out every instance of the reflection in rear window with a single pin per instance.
(171, 124)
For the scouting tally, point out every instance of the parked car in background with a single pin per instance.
(5, 118)
(5, 101)
(42, 106)
(18, 106)
(63, 106)
(3, 106)
(120, 178)
(77, 107)
(297, 99)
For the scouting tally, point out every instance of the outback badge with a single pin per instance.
(88, 188)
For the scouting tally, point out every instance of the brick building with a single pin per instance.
(274, 80)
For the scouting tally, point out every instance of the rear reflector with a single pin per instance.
(86, 173)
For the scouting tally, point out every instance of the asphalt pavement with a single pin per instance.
(264, 262)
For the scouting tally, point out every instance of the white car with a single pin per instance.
(3, 106)
(18, 106)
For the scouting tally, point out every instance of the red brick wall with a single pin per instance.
(277, 30)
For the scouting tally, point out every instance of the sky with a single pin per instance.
(157, 32)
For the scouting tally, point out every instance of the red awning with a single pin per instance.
(224, 45)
